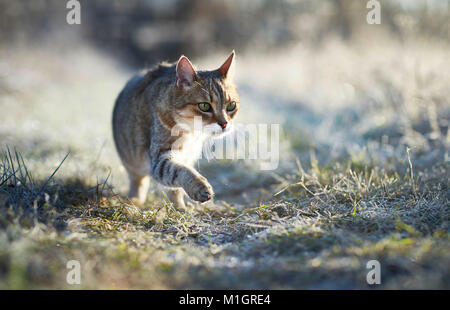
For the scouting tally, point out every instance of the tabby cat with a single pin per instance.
(156, 111)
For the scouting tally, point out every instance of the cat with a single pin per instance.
(167, 99)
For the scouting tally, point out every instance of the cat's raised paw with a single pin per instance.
(201, 191)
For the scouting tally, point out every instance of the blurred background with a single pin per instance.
(142, 32)
(347, 95)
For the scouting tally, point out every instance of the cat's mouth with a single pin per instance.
(215, 131)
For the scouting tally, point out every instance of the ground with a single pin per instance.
(363, 175)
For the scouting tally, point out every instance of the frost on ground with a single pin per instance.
(363, 175)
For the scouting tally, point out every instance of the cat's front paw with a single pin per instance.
(200, 190)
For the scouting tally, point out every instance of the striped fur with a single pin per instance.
(151, 106)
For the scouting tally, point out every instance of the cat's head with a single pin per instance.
(208, 97)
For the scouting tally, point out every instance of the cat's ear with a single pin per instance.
(185, 73)
(227, 69)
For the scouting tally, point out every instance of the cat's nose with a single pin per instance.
(222, 124)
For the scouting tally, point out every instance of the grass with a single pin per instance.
(364, 174)
(316, 233)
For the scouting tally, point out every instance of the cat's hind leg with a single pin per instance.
(176, 197)
(139, 185)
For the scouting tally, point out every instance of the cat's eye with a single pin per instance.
(231, 106)
(204, 107)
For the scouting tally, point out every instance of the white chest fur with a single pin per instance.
(188, 148)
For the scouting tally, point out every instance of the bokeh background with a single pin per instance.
(346, 94)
